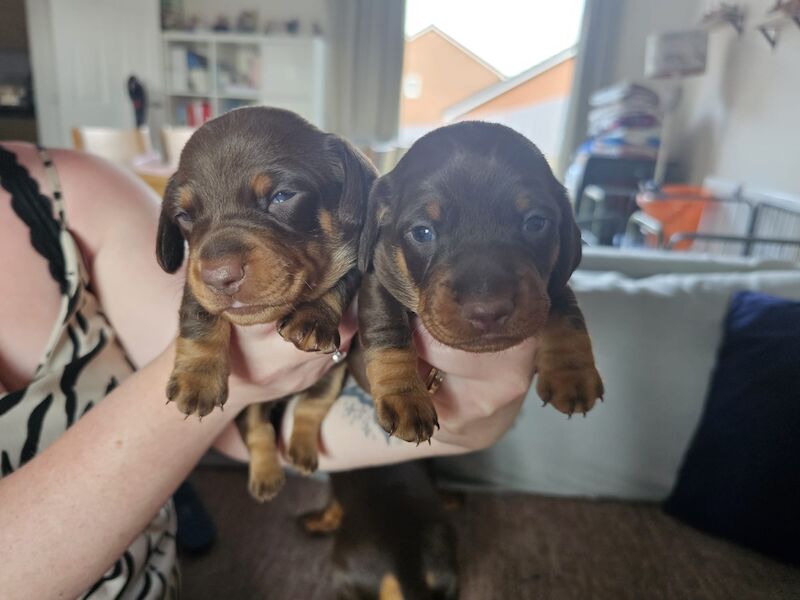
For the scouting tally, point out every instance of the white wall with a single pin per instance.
(641, 18)
(741, 119)
(308, 11)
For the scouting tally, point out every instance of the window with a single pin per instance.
(412, 86)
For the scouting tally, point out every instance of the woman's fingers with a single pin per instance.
(513, 366)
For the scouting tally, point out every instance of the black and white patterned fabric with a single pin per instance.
(81, 364)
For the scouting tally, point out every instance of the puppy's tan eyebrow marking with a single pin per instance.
(434, 210)
(185, 197)
(261, 184)
(326, 222)
(522, 202)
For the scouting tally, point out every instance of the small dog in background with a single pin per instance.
(271, 208)
(393, 539)
(472, 232)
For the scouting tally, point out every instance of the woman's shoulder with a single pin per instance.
(99, 196)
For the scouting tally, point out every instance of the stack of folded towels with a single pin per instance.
(623, 122)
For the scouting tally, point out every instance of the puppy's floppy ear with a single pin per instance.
(358, 175)
(379, 200)
(569, 244)
(169, 240)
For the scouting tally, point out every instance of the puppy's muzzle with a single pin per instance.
(223, 275)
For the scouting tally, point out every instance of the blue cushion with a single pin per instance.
(740, 478)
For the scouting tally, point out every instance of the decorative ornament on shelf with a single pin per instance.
(247, 22)
(293, 26)
(725, 14)
(222, 24)
(779, 15)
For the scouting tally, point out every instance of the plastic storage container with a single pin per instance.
(679, 208)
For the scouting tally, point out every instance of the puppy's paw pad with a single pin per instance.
(265, 485)
(570, 390)
(407, 414)
(197, 393)
(311, 329)
(303, 455)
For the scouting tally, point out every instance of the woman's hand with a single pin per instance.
(481, 394)
(265, 367)
(478, 401)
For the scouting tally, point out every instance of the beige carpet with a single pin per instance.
(511, 546)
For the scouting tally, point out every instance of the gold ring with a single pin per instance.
(434, 380)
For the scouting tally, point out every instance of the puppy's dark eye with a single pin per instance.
(534, 224)
(423, 234)
(282, 196)
(184, 220)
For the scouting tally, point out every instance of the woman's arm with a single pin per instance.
(70, 512)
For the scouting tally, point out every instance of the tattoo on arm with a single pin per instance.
(358, 409)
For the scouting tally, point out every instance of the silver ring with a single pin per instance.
(338, 356)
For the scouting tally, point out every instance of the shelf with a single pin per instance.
(233, 37)
(241, 95)
(288, 71)
(189, 95)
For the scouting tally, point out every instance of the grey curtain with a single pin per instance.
(594, 69)
(366, 39)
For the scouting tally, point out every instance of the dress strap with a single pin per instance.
(55, 185)
(35, 210)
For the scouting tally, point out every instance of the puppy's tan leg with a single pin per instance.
(325, 521)
(567, 377)
(310, 411)
(314, 326)
(199, 380)
(403, 405)
(266, 474)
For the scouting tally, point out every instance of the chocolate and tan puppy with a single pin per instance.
(271, 209)
(473, 233)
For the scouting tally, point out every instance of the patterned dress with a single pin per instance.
(83, 361)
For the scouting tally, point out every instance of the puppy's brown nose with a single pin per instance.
(488, 315)
(223, 275)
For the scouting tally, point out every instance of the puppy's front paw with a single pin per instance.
(266, 479)
(570, 390)
(311, 328)
(303, 453)
(197, 392)
(407, 413)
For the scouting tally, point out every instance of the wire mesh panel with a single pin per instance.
(780, 221)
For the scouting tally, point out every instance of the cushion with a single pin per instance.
(656, 342)
(637, 263)
(740, 478)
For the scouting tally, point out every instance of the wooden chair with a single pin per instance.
(121, 146)
(173, 139)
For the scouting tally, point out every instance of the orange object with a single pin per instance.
(679, 208)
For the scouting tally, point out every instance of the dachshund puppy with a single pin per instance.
(392, 537)
(472, 232)
(271, 209)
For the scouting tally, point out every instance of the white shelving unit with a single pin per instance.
(225, 70)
